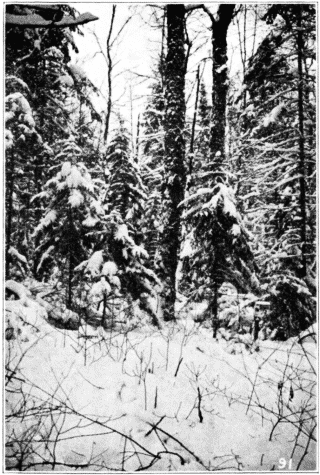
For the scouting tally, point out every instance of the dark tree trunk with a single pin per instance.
(215, 321)
(174, 123)
(71, 258)
(194, 121)
(220, 82)
(9, 212)
(301, 145)
(220, 25)
(70, 278)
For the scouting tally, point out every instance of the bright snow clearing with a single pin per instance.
(147, 399)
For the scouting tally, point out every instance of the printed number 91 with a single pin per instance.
(283, 463)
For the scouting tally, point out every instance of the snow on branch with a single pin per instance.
(37, 21)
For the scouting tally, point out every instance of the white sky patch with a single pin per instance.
(135, 55)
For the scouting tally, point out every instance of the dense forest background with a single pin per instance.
(222, 191)
(198, 205)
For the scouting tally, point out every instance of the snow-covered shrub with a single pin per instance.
(103, 289)
(117, 272)
(292, 307)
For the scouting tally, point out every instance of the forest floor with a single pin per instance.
(156, 399)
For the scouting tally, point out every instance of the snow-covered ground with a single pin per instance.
(158, 400)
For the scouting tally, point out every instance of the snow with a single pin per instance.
(74, 178)
(66, 80)
(109, 268)
(18, 103)
(18, 289)
(44, 256)
(273, 115)
(221, 69)
(235, 230)
(115, 281)
(187, 249)
(139, 251)
(9, 115)
(122, 233)
(17, 254)
(100, 287)
(112, 389)
(75, 199)
(66, 169)
(18, 81)
(90, 221)
(78, 71)
(93, 264)
(55, 52)
(49, 218)
(96, 206)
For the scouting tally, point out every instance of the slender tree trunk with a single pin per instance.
(131, 118)
(215, 322)
(110, 66)
(218, 127)
(104, 320)
(194, 121)
(70, 277)
(174, 123)
(137, 140)
(10, 188)
(302, 196)
(162, 54)
(71, 261)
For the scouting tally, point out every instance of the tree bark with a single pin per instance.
(174, 123)
(302, 196)
(220, 82)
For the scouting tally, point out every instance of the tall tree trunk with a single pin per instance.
(174, 123)
(302, 196)
(220, 83)
(220, 25)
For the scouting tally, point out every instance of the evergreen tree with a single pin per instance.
(61, 232)
(36, 58)
(126, 192)
(22, 141)
(117, 234)
(153, 169)
(218, 247)
(280, 192)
